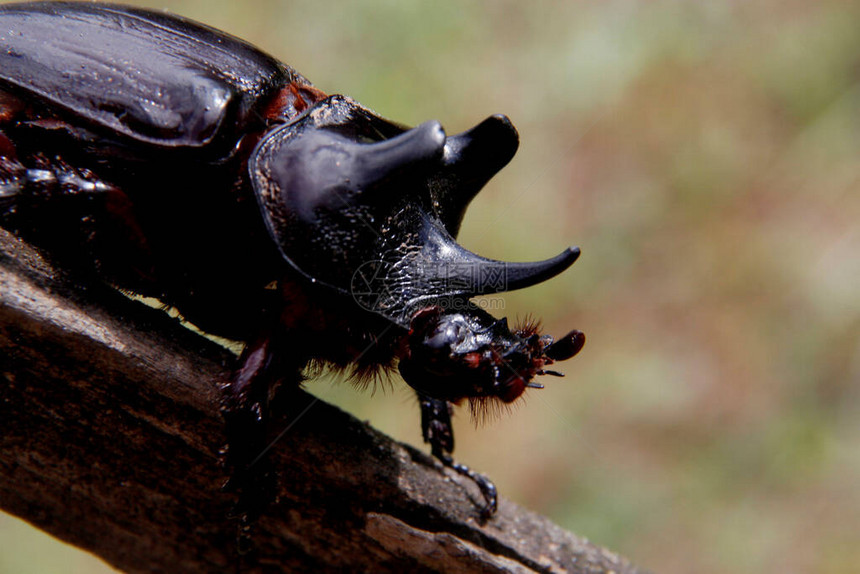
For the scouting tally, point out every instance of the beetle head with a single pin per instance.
(452, 355)
(370, 208)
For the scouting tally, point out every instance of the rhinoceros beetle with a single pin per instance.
(175, 161)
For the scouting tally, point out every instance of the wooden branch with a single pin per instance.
(110, 439)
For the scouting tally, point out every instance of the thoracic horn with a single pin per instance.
(324, 161)
(377, 162)
(470, 160)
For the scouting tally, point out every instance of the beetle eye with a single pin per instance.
(458, 334)
(447, 335)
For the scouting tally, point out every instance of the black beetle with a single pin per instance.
(175, 161)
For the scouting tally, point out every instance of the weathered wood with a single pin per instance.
(110, 438)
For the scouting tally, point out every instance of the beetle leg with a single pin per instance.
(45, 180)
(243, 411)
(81, 219)
(247, 400)
(246, 406)
(40, 187)
(437, 430)
(11, 181)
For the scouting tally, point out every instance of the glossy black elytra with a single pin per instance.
(179, 162)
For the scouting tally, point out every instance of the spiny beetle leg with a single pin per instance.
(437, 430)
(11, 180)
(85, 222)
(45, 180)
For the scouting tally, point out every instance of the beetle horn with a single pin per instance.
(383, 160)
(384, 203)
(486, 276)
(302, 168)
(470, 160)
(521, 275)
(468, 274)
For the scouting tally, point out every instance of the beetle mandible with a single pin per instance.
(178, 162)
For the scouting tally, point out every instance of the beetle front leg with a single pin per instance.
(437, 430)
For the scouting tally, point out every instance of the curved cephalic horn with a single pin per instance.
(470, 160)
(468, 274)
(521, 275)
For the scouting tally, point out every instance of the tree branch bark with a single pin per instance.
(110, 439)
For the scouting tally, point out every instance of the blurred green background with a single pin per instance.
(706, 157)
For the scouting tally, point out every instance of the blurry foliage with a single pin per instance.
(705, 157)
